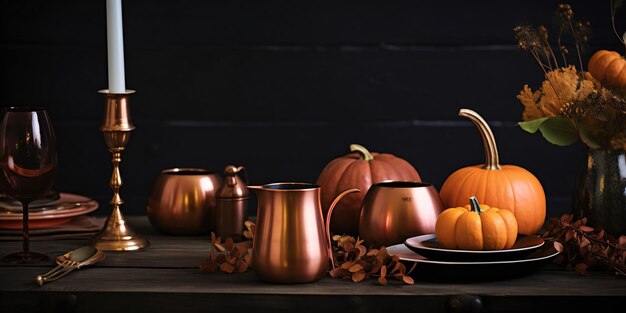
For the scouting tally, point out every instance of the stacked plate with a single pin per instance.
(434, 262)
(55, 209)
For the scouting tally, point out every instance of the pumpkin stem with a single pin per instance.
(365, 154)
(489, 141)
(474, 206)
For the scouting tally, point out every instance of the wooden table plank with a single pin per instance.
(166, 277)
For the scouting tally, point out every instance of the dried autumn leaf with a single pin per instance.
(219, 247)
(566, 219)
(248, 223)
(241, 266)
(372, 252)
(362, 251)
(356, 268)
(577, 224)
(358, 276)
(382, 280)
(229, 244)
(558, 246)
(231, 259)
(600, 235)
(339, 272)
(581, 268)
(347, 265)
(348, 245)
(227, 267)
(377, 266)
(407, 280)
(220, 259)
(234, 253)
(586, 229)
(247, 234)
(250, 229)
(242, 249)
(382, 253)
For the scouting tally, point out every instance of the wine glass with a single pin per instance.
(28, 159)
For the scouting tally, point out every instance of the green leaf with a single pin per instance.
(532, 126)
(559, 131)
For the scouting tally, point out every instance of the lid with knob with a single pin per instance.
(234, 187)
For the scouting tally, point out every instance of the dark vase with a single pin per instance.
(600, 190)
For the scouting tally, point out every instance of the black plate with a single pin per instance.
(463, 271)
(427, 245)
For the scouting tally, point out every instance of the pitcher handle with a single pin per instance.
(328, 215)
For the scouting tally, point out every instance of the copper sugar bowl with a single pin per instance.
(183, 201)
(393, 211)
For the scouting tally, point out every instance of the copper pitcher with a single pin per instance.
(393, 211)
(291, 243)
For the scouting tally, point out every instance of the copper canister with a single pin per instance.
(232, 204)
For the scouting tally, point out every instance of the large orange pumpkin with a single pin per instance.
(609, 68)
(507, 187)
(359, 169)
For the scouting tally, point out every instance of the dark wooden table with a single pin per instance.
(165, 278)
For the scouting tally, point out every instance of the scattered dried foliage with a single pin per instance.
(356, 262)
(584, 248)
(228, 256)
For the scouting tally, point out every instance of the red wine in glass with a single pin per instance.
(28, 163)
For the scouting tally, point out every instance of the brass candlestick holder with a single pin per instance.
(116, 235)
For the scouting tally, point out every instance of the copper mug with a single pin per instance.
(292, 243)
(393, 211)
(183, 201)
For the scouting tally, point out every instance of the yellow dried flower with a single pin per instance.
(562, 85)
(530, 99)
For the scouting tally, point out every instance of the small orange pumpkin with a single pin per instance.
(608, 67)
(504, 186)
(476, 227)
(360, 169)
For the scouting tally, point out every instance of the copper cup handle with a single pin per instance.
(328, 215)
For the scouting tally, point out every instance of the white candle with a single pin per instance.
(115, 43)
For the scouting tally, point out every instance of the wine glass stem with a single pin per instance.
(25, 237)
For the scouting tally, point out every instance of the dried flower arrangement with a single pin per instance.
(570, 104)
